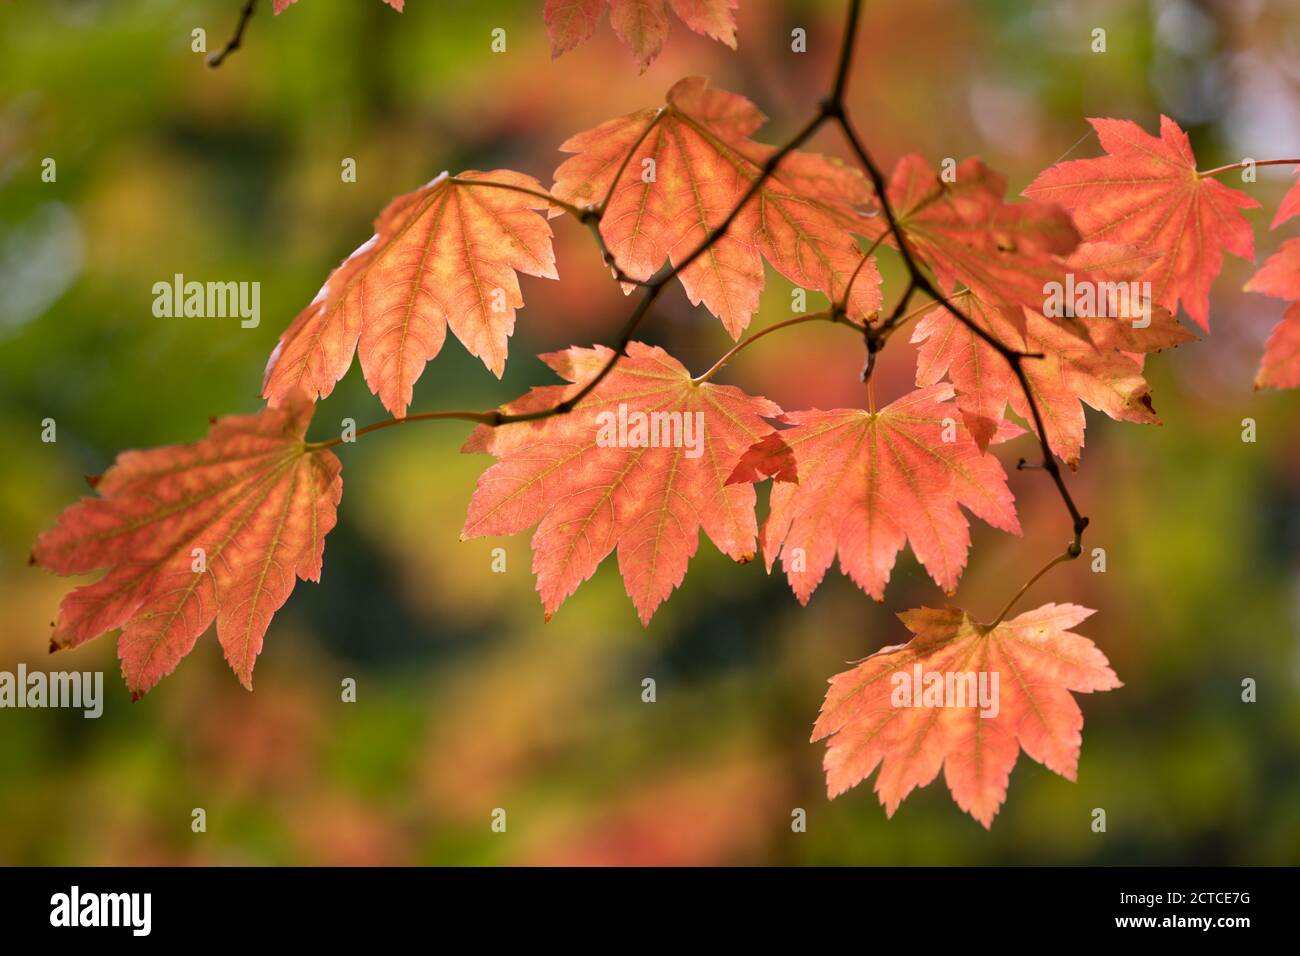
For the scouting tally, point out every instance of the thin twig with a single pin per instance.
(236, 41)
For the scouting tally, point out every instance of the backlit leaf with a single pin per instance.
(870, 483)
(594, 479)
(891, 712)
(677, 171)
(1146, 192)
(187, 533)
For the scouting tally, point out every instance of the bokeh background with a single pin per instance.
(468, 701)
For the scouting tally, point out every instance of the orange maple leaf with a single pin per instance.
(1280, 277)
(998, 689)
(869, 483)
(448, 253)
(639, 464)
(968, 234)
(673, 174)
(218, 529)
(1102, 371)
(1146, 192)
(641, 24)
(279, 6)
(1290, 205)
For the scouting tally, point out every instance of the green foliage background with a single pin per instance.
(467, 700)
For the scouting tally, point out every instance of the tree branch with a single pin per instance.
(919, 281)
(832, 109)
(654, 287)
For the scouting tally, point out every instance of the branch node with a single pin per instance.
(831, 108)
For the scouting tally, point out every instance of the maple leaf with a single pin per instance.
(886, 712)
(1146, 191)
(279, 6)
(1280, 277)
(967, 234)
(1290, 205)
(252, 495)
(592, 483)
(698, 148)
(641, 24)
(868, 483)
(571, 22)
(448, 253)
(1099, 369)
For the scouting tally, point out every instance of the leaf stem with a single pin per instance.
(1261, 162)
(823, 316)
(1060, 558)
(511, 187)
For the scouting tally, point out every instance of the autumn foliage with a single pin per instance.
(221, 529)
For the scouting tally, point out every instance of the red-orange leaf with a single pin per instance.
(1280, 366)
(870, 483)
(1146, 192)
(1103, 372)
(690, 164)
(998, 689)
(607, 475)
(447, 254)
(279, 6)
(641, 24)
(215, 529)
(1290, 205)
(1280, 277)
(968, 234)
(570, 22)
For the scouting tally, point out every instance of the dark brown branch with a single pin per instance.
(1016, 359)
(591, 216)
(236, 41)
(833, 109)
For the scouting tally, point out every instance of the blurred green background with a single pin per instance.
(467, 700)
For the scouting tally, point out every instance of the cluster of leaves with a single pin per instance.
(222, 528)
(641, 24)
